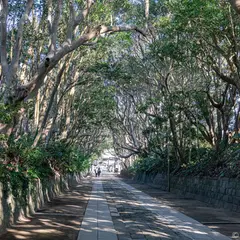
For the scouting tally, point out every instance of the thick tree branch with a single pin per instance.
(126, 28)
(218, 105)
(52, 59)
(127, 156)
(224, 77)
(74, 20)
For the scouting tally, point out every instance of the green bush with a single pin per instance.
(128, 172)
(199, 162)
(21, 163)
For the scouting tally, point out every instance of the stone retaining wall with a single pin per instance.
(14, 207)
(218, 192)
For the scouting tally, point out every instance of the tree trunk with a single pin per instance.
(178, 153)
(46, 114)
(146, 9)
(236, 5)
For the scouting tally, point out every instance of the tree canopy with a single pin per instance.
(150, 79)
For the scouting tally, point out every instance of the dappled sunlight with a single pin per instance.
(167, 216)
(95, 198)
(74, 222)
(213, 227)
(154, 234)
(46, 231)
(44, 220)
(58, 214)
(20, 237)
(111, 212)
(104, 221)
(59, 219)
(60, 225)
(188, 229)
(47, 227)
(89, 220)
(19, 232)
(24, 219)
(106, 229)
(28, 226)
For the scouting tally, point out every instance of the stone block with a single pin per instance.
(223, 190)
(212, 201)
(103, 235)
(236, 200)
(225, 198)
(124, 237)
(227, 206)
(238, 193)
(137, 236)
(232, 184)
(221, 183)
(221, 204)
(214, 183)
(234, 207)
(220, 196)
(113, 209)
(217, 192)
(213, 189)
(229, 191)
(214, 194)
(230, 199)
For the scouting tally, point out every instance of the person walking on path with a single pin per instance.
(99, 172)
(95, 170)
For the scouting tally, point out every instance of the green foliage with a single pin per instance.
(3, 137)
(104, 12)
(6, 113)
(151, 164)
(21, 164)
(67, 159)
(203, 163)
(40, 162)
(128, 172)
(160, 74)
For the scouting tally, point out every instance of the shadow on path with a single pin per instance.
(220, 220)
(59, 219)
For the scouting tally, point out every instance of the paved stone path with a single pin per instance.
(180, 224)
(115, 211)
(218, 219)
(97, 222)
(121, 212)
(132, 220)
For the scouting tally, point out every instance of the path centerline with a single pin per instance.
(97, 223)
